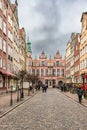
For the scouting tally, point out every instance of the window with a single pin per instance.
(86, 62)
(33, 71)
(30, 71)
(0, 22)
(46, 72)
(37, 71)
(9, 20)
(58, 72)
(4, 45)
(42, 72)
(30, 62)
(60, 64)
(53, 72)
(83, 29)
(57, 63)
(86, 48)
(0, 5)
(8, 67)
(54, 81)
(43, 64)
(62, 72)
(0, 42)
(9, 50)
(4, 63)
(0, 62)
(8, 34)
(4, 28)
(83, 39)
(4, 11)
(11, 37)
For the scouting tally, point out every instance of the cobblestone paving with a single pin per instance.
(47, 111)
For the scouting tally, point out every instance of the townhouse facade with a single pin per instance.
(22, 48)
(77, 59)
(72, 59)
(68, 61)
(6, 34)
(51, 71)
(78, 54)
(83, 45)
(72, 69)
(13, 47)
(16, 64)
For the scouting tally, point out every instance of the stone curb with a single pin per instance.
(17, 105)
(73, 99)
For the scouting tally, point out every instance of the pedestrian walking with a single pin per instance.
(36, 87)
(62, 88)
(31, 88)
(80, 93)
(44, 88)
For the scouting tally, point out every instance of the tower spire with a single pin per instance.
(29, 45)
(16, 2)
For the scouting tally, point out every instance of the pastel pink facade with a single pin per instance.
(6, 43)
(51, 71)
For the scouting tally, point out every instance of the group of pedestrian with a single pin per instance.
(63, 87)
(39, 87)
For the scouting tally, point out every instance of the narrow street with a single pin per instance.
(47, 111)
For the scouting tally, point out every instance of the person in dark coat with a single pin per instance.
(80, 93)
(62, 88)
(44, 88)
(30, 88)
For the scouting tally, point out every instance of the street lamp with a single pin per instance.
(83, 77)
(22, 92)
(29, 90)
(11, 101)
(18, 93)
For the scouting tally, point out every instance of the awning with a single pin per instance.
(7, 73)
(10, 74)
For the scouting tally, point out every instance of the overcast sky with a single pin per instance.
(50, 23)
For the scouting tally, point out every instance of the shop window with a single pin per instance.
(0, 62)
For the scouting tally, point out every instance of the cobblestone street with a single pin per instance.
(47, 111)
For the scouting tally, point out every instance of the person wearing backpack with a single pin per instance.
(80, 93)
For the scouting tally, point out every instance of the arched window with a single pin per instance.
(57, 63)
